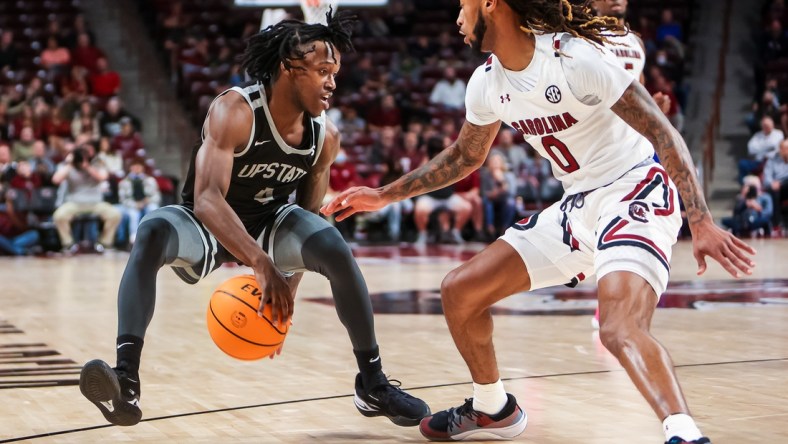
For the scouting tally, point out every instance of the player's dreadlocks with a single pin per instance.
(282, 43)
(549, 16)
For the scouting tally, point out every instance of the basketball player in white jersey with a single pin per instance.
(549, 78)
(631, 53)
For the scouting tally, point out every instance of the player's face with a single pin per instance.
(611, 8)
(314, 77)
(472, 25)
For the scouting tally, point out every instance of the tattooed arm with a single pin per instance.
(638, 109)
(454, 163)
(641, 113)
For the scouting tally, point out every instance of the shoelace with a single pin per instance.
(466, 410)
(391, 385)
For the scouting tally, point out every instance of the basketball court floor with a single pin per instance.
(728, 338)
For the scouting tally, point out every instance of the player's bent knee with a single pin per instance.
(453, 294)
(327, 252)
(151, 242)
(618, 336)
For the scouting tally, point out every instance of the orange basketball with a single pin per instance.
(234, 324)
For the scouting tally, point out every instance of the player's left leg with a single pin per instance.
(303, 241)
(627, 303)
(635, 234)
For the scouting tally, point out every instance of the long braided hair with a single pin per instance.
(578, 19)
(283, 43)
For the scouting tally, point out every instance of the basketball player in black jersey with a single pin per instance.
(260, 142)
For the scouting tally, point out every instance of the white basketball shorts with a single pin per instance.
(629, 225)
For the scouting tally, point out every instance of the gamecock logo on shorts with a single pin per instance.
(638, 211)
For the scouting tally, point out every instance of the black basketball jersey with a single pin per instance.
(268, 170)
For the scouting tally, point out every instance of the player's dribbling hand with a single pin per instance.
(732, 253)
(352, 201)
(277, 291)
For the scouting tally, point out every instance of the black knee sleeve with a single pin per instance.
(325, 252)
(156, 244)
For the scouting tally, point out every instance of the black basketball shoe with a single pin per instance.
(385, 399)
(677, 440)
(114, 391)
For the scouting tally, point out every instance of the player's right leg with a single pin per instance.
(509, 265)
(169, 235)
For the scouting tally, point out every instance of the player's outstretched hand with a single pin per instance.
(733, 254)
(354, 200)
(277, 291)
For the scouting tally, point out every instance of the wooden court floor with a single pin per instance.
(729, 341)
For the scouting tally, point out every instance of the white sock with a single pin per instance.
(681, 425)
(489, 398)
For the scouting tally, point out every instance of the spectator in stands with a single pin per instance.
(647, 34)
(7, 165)
(514, 154)
(55, 57)
(139, 195)
(128, 142)
(775, 178)
(768, 106)
(661, 84)
(81, 179)
(411, 156)
(85, 54)
(499, 187)
(55, 125)
(78, 27)
(669, 28)
(74, 88)
(8, 53)
(469, 189)
(393, 212)
(343, 175)
(752, 211)
(449, 91)
(775, 43)
(400, 18)
(350, 124)
(23, 147)
(424, 50)
(384, 148)
(85, 121)
(16, 237)
(109, 120)
(444, 200)
(5, 122)
(41, 163)
(25, 180)
(762, 146)
(104, 82)
(356, 79)
(385, 114)
(110, 158)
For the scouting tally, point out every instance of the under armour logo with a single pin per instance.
(505, 98)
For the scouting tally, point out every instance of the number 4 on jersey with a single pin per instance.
(265, 195)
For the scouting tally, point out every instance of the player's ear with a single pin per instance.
(489, 5)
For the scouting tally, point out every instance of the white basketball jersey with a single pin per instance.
(587, 144)
(629, 51)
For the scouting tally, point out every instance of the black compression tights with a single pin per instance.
(324, 252)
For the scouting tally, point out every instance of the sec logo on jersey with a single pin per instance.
(553, 94)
